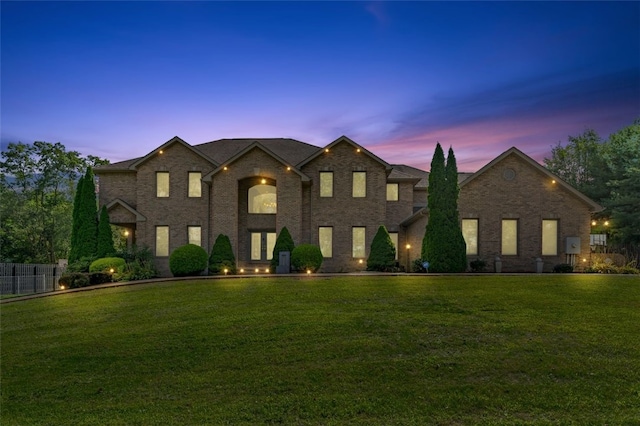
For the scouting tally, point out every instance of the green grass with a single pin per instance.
(550, 349)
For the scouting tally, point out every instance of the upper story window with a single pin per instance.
(359, 184)
(263, 199)
(195, 184)
(326, 184)
(392, 192)
(162, 184)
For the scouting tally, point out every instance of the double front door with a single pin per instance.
(262, 244)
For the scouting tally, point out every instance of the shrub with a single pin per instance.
(188, 260)
(610, 268)
(81, 265)
(99, 278)
(137, 270)
(382, 256)
(284, 242)
(306, 257)
(563, 268)
(222, 256)
(418, 266)
(478, 265)
(107, 263)
(74, 280)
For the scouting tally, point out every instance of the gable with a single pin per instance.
(121, 212)
(165, 148)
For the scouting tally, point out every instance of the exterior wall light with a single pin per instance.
(553, 181)
(358, 150)
(288, 168)
(263, 181)
(594, 223)
(225, 168)
(326, 150)
(161, 152)
(126, 233)
(360, 261)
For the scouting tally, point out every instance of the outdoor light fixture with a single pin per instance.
(288, 168)
(358, 150)
(267, 270)
(606, 223)
(408, 246)
(226, 271)
(242, 270)
(161, 152)
(326, 150)
(61, 287)
(111, 270)
(225, 168)
(263, 181)
(594, 223)
(257, 270)
(553, 181)
(360, 261)
(308, 271)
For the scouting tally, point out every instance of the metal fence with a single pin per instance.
(20, 278)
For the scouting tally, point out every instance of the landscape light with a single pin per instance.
(263, 181)
(308, 271)
(61, 287)
(408, 246)
(242, 270)
(593, 223)
(111, 270)
(267, 270)
(226, 271)
(360, 261)
(257, 270)
(126, 233)
(606, 223)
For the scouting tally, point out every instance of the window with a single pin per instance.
(326, 184)
(358, 241)
(195, 184)
(325, 237)
(359, 184)
(162, 184)
(195, 235)
(263, 199)
(162, 241)
(394, 240)
(470, 234)
(509, 236)
(262, 244)
(549, 237)
(392, 192)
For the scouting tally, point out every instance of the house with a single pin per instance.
(336, 197)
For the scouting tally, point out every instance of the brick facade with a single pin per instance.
(229, 168)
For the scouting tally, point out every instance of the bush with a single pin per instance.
(418, 266)
(306, 257)
(99, 278)
(222, 256)
(188, 260)
(284, 242)
(563, 268)
(137, 270)
(107, 263)
(610, 268)
(478, 265)
(81, 265)
(382, 256)
(74, 280)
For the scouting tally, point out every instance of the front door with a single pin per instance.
(262, 244)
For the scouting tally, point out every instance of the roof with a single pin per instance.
(344, 139)
(595, 207)
(290, 151)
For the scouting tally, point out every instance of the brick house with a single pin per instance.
(336, 197)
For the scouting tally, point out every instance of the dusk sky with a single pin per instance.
(118, 79)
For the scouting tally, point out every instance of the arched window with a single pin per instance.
(263, 199)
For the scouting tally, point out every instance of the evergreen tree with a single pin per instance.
(456, 247)
(435, 231)
(85, 222)
(73, 251)
(105, 246)
(443, 245)
(222, 256)
(284, 242)
(382, 255)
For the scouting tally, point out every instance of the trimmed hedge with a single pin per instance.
(284, 242)
(382, 256)
(74, 280)
(188, 260)
(306, 257)
(105, 264)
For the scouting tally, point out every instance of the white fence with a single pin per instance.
(20, 278)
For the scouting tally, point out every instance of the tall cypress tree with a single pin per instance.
(284, 242)
(382, 255)
(435, 232)
(85, 222)
(456, 247)
(443, 245)
(104, 246)
(73, 252)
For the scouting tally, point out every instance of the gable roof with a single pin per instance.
(595, 207)
(290, 151)
(118, 202)
(172, 141)
(342, 139)
(260, 146)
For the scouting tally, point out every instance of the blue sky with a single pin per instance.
(117, 79)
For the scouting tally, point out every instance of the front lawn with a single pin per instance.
(561, 349)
